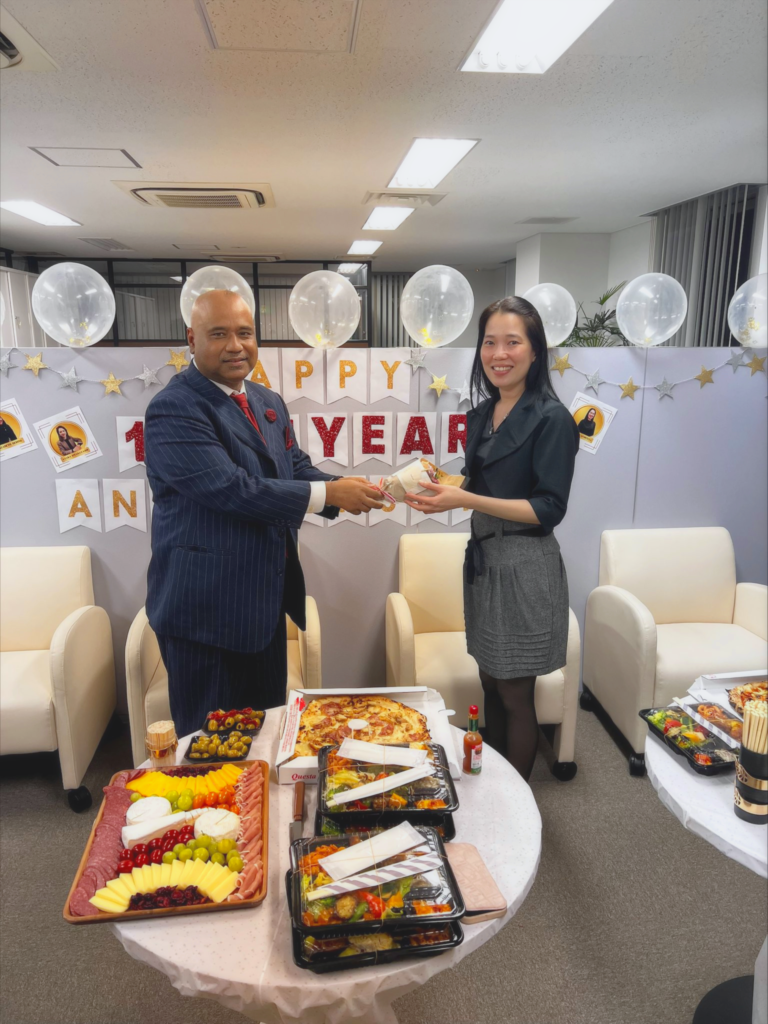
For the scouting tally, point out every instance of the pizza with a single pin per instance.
(749, 691)
(325, 721)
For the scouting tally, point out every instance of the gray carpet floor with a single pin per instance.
(630, 921)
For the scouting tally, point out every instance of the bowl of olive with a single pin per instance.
(245, 720)
(234, 746)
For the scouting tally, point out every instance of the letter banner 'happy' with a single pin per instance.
(415, 436)
(267, 369)
(372, 437)
(347, 375)
(303, 375)
(453, 436)
(390, 375)
(125, 504)
(328, 438)
(79, 504)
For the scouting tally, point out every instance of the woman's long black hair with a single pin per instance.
(537, 380)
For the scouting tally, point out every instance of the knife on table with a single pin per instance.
(296, 827)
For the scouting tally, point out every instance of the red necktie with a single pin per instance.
(242, 401)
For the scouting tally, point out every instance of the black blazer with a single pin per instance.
(532, 457)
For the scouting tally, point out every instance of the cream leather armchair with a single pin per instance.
(427, 646)
(667, 610)
(57, 669)
(147, 679)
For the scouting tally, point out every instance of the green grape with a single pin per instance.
(188, 792)
(192, 844)
(179, 847)
(235, 863)
(218, 858)
(185, 854)
(201, 854)
(174, 807)
(204, 841)
(226, 845)
(135, 797)
(213, 848)
(170, 856)
(185, 801)
(231, 854)
(172, 796)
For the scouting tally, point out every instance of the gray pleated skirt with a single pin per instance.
(515, 600)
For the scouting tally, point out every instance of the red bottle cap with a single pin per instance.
(473, 710)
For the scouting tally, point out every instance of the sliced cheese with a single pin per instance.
(176, 869)
(157, 827)
(157, 875)
(108, 906)
(119, 888)
(223, 887)
(111, 897)
(129, 882)
(137, 877)
(147, 878)
(165, 874)
(210, 872)
(190, 867)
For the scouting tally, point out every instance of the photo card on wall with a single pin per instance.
(592, 418)
(67, 439)
(15, 436)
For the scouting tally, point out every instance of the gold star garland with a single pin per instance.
(35, 364)
(178, 359)
(705, 377)
(111, 384)
(438, 384)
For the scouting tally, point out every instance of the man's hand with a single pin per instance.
(353, 494)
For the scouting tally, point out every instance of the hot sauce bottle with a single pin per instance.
(473, 745)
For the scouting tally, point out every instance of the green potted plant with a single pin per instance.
(601, 328)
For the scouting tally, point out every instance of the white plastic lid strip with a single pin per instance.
(378, 753)
(414, 866)
(371, 851)
(379, 786)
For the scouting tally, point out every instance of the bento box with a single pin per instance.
(703, 751)
(443, 824)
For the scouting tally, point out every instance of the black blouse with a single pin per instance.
(531, 456)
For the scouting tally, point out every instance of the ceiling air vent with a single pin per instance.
(242, 257)
(108, 244)
(199, 196)
(396, 197)
(547, 220)
(19, 50)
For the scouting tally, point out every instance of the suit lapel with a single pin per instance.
(516, 428)
(229, 410)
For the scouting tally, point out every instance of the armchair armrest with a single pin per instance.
(309, 647)
(565, 732)
(620, 658)
(401, 652)
(751, 608)
(83, 678)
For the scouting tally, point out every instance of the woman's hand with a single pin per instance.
(444, 497)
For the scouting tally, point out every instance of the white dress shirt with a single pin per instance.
(316, 487)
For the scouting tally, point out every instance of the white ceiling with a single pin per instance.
(659, 100)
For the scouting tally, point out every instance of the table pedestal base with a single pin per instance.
(729, 1003)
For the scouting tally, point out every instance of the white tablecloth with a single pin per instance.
(704, 804)
(243, 958)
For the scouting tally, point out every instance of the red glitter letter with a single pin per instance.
(327, 434)
(136, 434)
(457, 431)
(369, 435)
(417, 437)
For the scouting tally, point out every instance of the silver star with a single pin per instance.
(5, 362)
(736, 360)
(664, 389)
(416, 360)
(70, 379)
(594, 380)
(148, 376)
(465, 394)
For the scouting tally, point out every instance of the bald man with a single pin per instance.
(231, 488)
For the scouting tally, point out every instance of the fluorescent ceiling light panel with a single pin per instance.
(429, 160)
(349, 268)
(40, 214)
(363, 248)
(387, 218)
(526, 37)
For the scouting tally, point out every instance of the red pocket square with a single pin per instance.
(271, 415)
(289, 442)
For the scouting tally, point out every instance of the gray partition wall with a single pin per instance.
(698, 458)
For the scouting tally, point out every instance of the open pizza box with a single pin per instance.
(292, 769)
(715, 687)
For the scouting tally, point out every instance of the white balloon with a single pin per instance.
(211, 279)
(557, 309)
(651, 309)
(73, 304)
(436, 306)
(324, 309)
(748, 313)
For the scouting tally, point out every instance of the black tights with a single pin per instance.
(510, 719)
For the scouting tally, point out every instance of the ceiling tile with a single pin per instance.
(288, 26)
(82, 156)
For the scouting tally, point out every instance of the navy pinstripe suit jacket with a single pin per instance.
(227, 505)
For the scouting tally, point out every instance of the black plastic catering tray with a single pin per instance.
(404, 901)
(438, 787)
(706, 756)
(323, 952)
(325, 826)
(195, 757)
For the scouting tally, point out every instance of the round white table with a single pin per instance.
(704, 805)
(243, 958)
